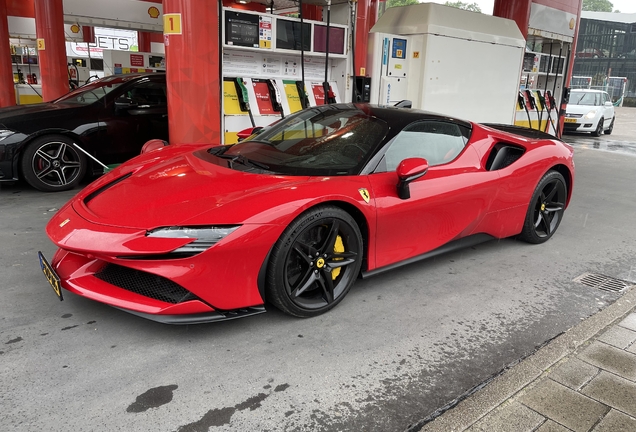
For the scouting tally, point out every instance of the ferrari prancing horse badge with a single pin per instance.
(365, 195)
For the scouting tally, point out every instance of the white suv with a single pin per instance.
(589, 111)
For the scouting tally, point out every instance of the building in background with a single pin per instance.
(606, 54)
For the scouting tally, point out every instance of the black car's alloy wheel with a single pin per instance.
(52, 163)
(546, 208)
(315, 262)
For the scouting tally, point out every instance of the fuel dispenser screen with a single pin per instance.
(241, 29)
(399, 48)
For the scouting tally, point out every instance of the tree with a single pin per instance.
(393, 3)
(597, 5)
(473, 7)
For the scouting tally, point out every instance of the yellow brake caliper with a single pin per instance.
(338, 247)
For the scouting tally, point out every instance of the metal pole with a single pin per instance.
(325, 84)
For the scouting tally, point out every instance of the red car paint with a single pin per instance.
(107, 222)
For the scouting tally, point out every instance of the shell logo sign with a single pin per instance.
(75, 28)
(153, 12)
(572, 23)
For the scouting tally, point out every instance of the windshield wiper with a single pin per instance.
(242, 160)
(245, 161)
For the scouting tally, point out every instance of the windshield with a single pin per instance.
(92, 92)
(583, 98)
(325, 140)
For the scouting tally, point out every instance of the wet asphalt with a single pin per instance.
(400, 346)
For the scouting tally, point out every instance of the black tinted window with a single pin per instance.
(436, 141)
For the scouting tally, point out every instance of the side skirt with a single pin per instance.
(448, 247)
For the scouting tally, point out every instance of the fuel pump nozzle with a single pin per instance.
(533, 105)
(523, 103)
(244, 100)
(277, 99)
(545, 104)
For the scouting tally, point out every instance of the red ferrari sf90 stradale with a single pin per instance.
(295, 213)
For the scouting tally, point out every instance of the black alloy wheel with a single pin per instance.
(51, 163)
(546, 208)
(610, 129)
(599, 129)
(315, 262)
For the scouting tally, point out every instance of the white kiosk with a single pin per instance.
(447, 60)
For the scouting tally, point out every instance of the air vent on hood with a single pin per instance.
(106, 186)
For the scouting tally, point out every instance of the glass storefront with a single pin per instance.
(606, 53)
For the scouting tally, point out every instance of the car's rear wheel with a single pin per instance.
(546, 208)
(599, 129)
(610, 129)
(51, 163)
(315, 262)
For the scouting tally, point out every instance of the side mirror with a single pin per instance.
(245, 133)
(608, 104)
(409, 169)
(124, 104)
(152, 145)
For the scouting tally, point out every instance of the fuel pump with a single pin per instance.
(73, 76)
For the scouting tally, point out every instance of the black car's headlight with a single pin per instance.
(5, 133)
(205, 236)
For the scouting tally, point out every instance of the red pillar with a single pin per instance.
(49, 29)
(363, 17)
(143, 41)
(312, 12)
(517, 10)
(193, 60)
(7, 93)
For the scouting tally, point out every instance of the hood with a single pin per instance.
(581, 109)
(173, 191)
(30, 113)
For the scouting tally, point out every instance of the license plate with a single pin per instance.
(51, 276)
(570, 120)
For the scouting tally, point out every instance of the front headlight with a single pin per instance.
(4, 133)
(590, 115)
(205, 237)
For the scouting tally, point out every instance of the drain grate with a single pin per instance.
(603, 282)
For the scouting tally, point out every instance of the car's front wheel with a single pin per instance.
(546, 208)
(51, 163)
(599, 129)
(315, 262)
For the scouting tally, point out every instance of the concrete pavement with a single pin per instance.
(583, 380)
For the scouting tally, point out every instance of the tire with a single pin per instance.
(599, 129)
(546, 208)
(315, 262)
(610, 129)
(51, 163)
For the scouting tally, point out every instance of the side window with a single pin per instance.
(436, 141)
(148, 93)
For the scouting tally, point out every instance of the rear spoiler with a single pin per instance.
(520, 130)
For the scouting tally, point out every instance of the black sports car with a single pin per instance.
(110, 119)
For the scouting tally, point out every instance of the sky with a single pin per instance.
(625, 6)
